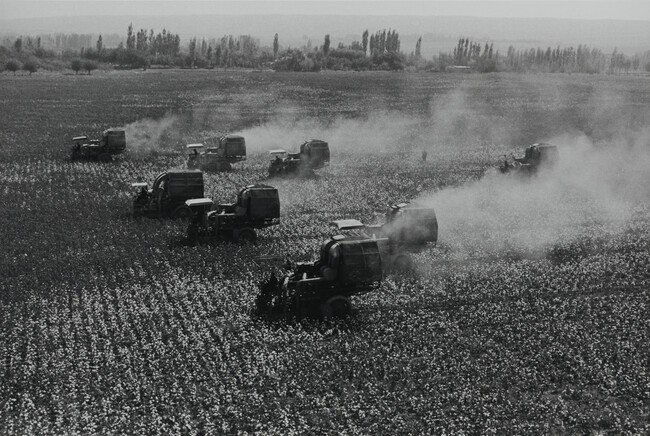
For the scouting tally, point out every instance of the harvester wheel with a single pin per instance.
(182, 213)
(337, 306)
(247, 236)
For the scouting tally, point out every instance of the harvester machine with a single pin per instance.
(169, 192)
(229, 149)
(408, 228)
(313, 154)
(256, 207)
(111, 143)
(537, 156)
(346, 266)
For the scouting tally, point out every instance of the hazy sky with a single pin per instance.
(584, 9)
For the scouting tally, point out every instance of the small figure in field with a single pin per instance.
(424, 155)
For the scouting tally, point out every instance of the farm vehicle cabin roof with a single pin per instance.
(112, 142)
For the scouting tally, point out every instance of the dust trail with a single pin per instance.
(455, 121)
(458, 120)
(380, 131)
(149, 135)
(594, 187)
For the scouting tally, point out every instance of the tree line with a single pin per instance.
(583, 59)
(380, 50)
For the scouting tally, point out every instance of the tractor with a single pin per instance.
(168, 194)
(256, 207)
(346, 266)
(537, 156)
(314, 154)
(111, 143)
(229, 149)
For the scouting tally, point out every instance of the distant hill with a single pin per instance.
(439, 33)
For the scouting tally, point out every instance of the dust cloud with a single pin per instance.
(601, 182)
(594, 188)
(380, 131)
(453, 121)
(148, 135)
(458, 120)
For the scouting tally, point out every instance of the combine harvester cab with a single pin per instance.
(230, 149)
(169, 192)
(111, 143)
(312, 155)
(346, 267)
(257, 207)
(537, 157)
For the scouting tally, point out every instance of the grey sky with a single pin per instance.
(585, 9)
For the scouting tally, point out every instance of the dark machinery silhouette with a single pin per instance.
(111, 143)
(537, 156)
(256, 207)
(229, 149)
(168, 194)
(313, 154)
(346, 266)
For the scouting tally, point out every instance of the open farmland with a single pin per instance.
(530, 316)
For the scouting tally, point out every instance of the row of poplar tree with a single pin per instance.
(378, 51)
